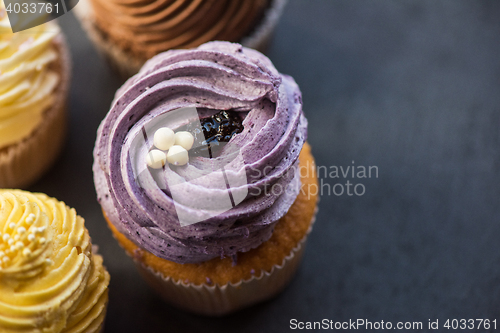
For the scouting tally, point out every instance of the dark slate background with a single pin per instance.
(409, 86)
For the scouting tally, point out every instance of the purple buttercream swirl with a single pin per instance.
(215, 76)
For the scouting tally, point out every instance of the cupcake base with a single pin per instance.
(23, 163)
(217, 287)
(127, 64)
(215, 300)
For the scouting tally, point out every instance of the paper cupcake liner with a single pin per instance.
(23, 163)
(260, 38)
(215, 300)
(127, 65)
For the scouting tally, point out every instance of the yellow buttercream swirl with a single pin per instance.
(50, 281)
(26, 80)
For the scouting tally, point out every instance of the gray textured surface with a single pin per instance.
(412, 87)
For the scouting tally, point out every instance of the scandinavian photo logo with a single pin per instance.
(333, 180)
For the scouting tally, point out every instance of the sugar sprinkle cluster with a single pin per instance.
(170, 147)
(21, 239)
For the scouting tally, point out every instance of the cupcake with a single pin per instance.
(205, 178)
(129, 32)
(34, 81)
(51, 279)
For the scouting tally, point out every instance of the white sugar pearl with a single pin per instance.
(21, 230)
(17, 237)
(31, 218)
(31, 237)
(2, 254)
(12, 225)
(26, 252)
(177, 155)
(156, 159)
(5, 259)
(6, 237)
(164, 138)
(184, 139)
(11, 241)
(42, 240)
(19, 245)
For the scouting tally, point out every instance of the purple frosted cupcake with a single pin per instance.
(197, 172)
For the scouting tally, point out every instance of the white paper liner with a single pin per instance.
(23, 163)
(127, 65)
(215, 300)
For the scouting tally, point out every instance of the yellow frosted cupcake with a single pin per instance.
(34, 81)
(51, 280)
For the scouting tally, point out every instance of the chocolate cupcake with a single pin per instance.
(129, 32)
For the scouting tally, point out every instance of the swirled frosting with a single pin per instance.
(147, 27)
(50, 281)
(26, 80)
(215, 76)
